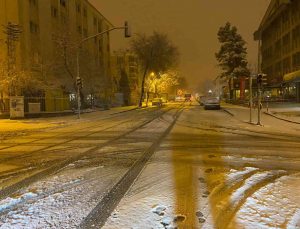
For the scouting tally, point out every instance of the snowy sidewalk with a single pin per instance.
(289, 113)
(20, 127)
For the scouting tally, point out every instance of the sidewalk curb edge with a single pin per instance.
(283, 119)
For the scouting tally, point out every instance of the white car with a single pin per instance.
(179, 99)
(212, 103)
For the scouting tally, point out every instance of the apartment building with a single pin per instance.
(50, 31)
(125, 74)
(279, 39)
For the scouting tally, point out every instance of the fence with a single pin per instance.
(47, 104)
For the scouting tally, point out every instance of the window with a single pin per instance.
(84, 12)
(63, 3)
(33, 2)
(79, 29)
(95, 21)
(85, 32)
(33, 27)
(35, 57)
(296, 61)
(78, 7)
(53, 12)
(99, 27)
(63, 18)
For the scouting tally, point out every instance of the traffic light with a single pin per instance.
(79, 82)
(127, 30)
(261, 79)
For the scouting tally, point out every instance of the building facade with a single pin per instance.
(47, 43)
(126, 75)
(279, 43)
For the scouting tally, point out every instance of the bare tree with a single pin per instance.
(156, 53)
(91, 68)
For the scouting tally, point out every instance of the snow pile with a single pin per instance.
(159, 210)
(61, 201)
(9, 203)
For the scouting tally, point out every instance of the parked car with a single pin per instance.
(179, 99)
(188, 97)
(164, 100)
(212, 103)
(157, 102)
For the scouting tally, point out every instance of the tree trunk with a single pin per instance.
(143, 85)
(147, 96)
(229, 88)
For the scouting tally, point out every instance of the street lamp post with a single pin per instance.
(259, 106)
(127, 34)
(250, 97)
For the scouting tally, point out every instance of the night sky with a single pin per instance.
(191, 24)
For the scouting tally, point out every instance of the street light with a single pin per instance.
(127, 34)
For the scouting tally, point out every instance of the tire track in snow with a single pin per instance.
(294, 221)
(5, 192)
(240, 195)
(99, 215)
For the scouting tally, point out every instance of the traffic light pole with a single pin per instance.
(259, 106)
(259, 88)
(127, 34)
(78, 86)
(251, 97)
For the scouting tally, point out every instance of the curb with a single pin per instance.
(228, 112)
(119, 112)
(283, 119)
(136, 108)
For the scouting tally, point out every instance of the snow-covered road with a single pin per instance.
(214, 171)
(210, 171)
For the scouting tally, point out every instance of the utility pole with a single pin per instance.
(259, 99)
(250, 97)
(259, 82)
(127, 34)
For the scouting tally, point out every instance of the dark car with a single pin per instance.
(188, 97)
(212, 103)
